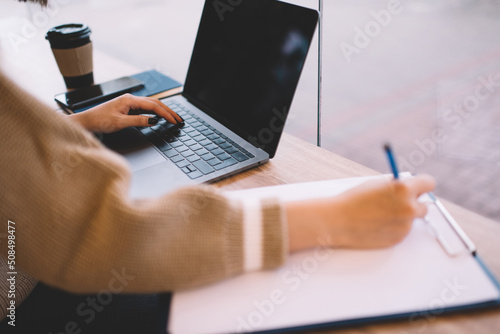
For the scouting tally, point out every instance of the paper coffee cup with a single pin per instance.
(72, 50)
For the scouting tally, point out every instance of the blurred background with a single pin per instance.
(421, 74)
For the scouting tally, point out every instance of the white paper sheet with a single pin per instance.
(326, 285)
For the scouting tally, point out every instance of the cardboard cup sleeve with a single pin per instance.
(74, 62)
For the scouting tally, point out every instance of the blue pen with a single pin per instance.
(448, 218)
(392, 161)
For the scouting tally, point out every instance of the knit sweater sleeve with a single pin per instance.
(76, 229)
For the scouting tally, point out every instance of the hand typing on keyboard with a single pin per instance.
(124, 111)
(196, 147)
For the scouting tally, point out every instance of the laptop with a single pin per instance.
(244, 70)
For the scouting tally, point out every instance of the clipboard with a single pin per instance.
(335, 288)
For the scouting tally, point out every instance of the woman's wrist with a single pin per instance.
(81, 119)
(312, 223)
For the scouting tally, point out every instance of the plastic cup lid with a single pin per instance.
(65, 32)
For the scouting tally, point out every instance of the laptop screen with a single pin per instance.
(246, 65)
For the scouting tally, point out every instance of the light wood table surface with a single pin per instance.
(34, 68)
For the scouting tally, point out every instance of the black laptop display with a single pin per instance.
(246, 64)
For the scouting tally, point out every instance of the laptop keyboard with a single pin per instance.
(197, 148)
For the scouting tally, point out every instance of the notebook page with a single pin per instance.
(326, 285)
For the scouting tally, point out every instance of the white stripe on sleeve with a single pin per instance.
(252, 235)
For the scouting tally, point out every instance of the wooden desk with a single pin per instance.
(34, 68)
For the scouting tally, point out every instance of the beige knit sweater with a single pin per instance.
(75, 228)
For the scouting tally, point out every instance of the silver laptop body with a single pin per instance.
(243, 73)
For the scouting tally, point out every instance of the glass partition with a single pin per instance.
(425, 76)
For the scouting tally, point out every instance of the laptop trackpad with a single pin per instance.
(152, 174)
(138, 151)
(157, 180)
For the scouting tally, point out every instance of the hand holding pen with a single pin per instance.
(374, 214)
(433, 201)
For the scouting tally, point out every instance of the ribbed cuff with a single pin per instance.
(265, 234)
(275, 234)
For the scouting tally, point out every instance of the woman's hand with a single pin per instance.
(375, 214)
(122, 112)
